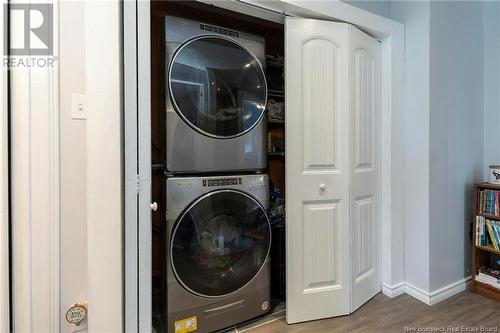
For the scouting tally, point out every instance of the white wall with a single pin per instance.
(72, 158)
(415, 136)
(456, 140)
(444, 103)
(382, 8)
(443, 110)
(491, 44)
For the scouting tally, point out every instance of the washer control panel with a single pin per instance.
(221, 182)
(183, 190)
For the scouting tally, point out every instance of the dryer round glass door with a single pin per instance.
(217, 86)
(220, 243)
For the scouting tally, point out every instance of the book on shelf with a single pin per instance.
(491, 232)
(487, 232)
(490, 272)
(489, 202)
(488, 276)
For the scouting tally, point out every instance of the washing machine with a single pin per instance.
(216, 94)
(218, 269)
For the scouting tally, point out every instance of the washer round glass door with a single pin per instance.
(217, 86)
(219, 243)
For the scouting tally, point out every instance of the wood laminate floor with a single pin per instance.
(464, 312)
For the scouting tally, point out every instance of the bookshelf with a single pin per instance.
(483, 252)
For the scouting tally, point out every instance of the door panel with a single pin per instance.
(363, 109)
(365, 174)
(363, 238)
(317, 174)
(320, 237)
(319, 61)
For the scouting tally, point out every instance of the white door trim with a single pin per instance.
(144, 141)
(391, 35)
(4, 194)
(104, 94)
(130, 166)
(137, 127)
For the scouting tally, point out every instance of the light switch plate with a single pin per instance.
(78, 106)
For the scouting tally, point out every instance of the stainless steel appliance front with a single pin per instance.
(215, 99)
(218, 270)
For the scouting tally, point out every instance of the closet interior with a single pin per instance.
(274, 121)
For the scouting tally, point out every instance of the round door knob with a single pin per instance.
(154, 206)
(322, 187)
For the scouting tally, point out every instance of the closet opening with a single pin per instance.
(218, 168)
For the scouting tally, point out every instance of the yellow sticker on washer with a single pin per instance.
(186, 325)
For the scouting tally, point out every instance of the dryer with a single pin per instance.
(218, 269)
(216, 94)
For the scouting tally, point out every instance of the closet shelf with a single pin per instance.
(272, 94)
(276, 154)
(491, 217)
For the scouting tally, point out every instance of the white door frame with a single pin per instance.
(4, 194)
(137, 130)
(4, 208)
(391, 35)
(105, 176)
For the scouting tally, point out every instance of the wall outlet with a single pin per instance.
(78, 106)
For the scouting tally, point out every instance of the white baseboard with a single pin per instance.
(393, 291)
(429, 298)
(415, 292)
(440, 294)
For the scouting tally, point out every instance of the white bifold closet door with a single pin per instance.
(332, 168)
(364, 53)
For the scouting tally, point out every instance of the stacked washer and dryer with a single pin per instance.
(219, 236)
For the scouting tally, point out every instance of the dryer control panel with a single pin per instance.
(222, 181)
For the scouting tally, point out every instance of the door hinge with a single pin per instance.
(138, 183)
